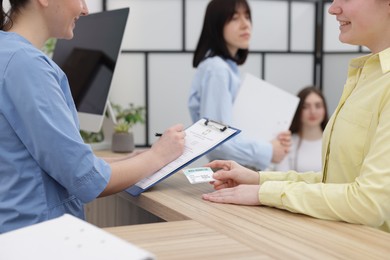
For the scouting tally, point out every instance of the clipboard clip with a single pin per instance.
(216, 125)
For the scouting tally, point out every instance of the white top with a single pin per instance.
(306, 157)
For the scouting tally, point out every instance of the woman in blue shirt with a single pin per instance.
(46, 169)
(223, 45)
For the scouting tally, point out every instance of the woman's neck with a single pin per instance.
(31, 26)
(311, 133)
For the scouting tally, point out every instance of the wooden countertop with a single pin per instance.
(198, 229)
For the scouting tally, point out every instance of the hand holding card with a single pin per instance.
(199, 175)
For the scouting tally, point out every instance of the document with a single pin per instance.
(262, 110)
(201, 137)
(67, 238)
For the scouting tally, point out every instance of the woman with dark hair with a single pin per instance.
(223, 45)
(306, 128)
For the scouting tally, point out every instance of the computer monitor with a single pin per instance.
(89, 61)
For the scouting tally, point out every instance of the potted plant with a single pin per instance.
(49, 46)
(123, 137)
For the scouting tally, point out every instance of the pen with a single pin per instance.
(158, 134)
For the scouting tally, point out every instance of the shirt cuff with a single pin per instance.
(273, 176)
(271, 192)
(94, 183)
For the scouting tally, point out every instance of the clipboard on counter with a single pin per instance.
(201, 137)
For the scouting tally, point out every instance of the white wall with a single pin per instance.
(161, 35)
(93, 5)
(6, 5)
(159, 53)
(154, 68)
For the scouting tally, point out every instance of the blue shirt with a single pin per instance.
(213, 91)
(46, 170)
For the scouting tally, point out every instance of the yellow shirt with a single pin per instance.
(355, 184)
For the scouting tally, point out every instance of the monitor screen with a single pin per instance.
(89, 60)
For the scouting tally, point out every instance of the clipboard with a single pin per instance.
(201, 137)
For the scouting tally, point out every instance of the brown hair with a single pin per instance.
(5, 17)
(296, 125)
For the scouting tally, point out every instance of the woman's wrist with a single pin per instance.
(259, 177)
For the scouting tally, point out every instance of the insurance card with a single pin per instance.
(199, 175)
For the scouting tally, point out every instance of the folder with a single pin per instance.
(67, 237)
(201, 137)
(262, 110)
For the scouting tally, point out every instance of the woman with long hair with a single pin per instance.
(222, 47)
(306, 129)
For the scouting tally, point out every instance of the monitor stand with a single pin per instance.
(108, 129)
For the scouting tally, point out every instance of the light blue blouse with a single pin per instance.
(213, 91)
(46, 170)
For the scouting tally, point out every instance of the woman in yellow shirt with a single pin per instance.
(354, 184)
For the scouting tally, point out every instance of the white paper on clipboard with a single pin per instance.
(262, 110)
(201, 138)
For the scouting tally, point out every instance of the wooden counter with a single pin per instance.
(184, 240)
(275, 233)
(198, 229)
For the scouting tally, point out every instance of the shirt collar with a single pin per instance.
(232, 64)
(384, 59)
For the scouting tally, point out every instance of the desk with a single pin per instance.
(270, 232)
(113, 210)
(186, 239)
(275, 233)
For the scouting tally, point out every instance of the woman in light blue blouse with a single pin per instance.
(46, 170)
(223, 45)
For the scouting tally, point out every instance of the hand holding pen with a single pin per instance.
(170, 145)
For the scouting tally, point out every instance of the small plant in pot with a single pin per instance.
(123, 137)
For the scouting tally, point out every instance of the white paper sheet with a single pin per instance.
(199, 139)
(68, 238)
(262, 110)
